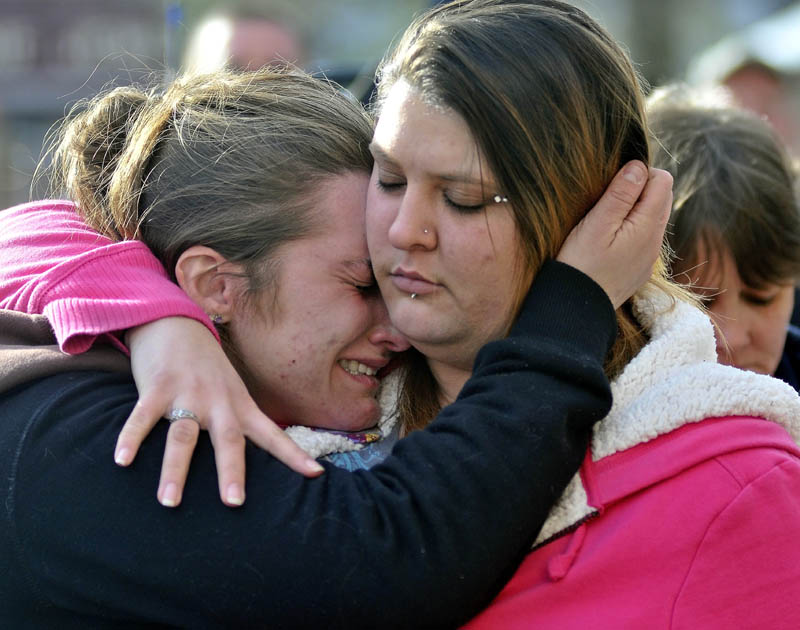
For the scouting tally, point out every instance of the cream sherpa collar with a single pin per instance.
(673, 381)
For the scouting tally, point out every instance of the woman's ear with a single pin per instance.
(209, 280)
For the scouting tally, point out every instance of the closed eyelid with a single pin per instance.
(390, 171)
(359, 268)
(385, 162)
(465, 207)
(759, 299)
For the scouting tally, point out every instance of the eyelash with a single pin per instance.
(759, 301)
(708, 301)
(389, 187)
(463, 209)
(366, 288)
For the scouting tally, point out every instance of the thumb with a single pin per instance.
(622, 193)
(655, 204)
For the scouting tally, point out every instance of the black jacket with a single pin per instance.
(423, 540)
(788, 369)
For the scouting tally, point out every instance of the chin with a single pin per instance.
(361, 416)
(422, 329)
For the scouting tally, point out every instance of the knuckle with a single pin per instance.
(232, 469)
(623, 195)
(231, 435)
(184, 431)
(148, 406)
(140, 423)
(162, 377)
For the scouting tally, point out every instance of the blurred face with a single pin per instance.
(752, 322)
(317, 362)
(256, 43)
(445, 253)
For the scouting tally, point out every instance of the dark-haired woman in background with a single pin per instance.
(735, 224)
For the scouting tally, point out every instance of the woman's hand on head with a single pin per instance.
(620, 238)
(178, 365)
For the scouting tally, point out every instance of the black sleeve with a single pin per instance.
(422, 540)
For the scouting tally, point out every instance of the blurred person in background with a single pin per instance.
(761, 66)
(245, 36)
(735, 223)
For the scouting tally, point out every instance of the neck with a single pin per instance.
(450, 378)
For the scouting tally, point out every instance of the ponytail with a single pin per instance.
(87, 149)
(129, 175)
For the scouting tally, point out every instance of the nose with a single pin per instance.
(383, 333)
(733, 334)
(413, 226)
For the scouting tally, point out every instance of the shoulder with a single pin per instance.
(70, 397)
(704, 464)
(792, 346)
(789, 367)
(46, 212)
(746, 569)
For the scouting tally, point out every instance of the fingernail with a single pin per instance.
(314, 466)
(122, 457)
(634, 173)
(235, 495)
(169, 497)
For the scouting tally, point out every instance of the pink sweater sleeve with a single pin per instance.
(87, 286)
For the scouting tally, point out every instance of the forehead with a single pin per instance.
(431, 136)
(339, 204)
(713, 264)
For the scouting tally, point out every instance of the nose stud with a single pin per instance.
(425, 231)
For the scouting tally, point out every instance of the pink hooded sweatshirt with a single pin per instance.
(685, 513)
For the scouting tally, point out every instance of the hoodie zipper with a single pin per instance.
(566, 530)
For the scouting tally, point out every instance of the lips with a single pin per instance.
(412, 282)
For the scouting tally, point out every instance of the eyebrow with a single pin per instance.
(379, 153)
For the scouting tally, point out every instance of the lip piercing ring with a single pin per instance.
(413, 296)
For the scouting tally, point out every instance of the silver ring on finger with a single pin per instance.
(179, 414)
